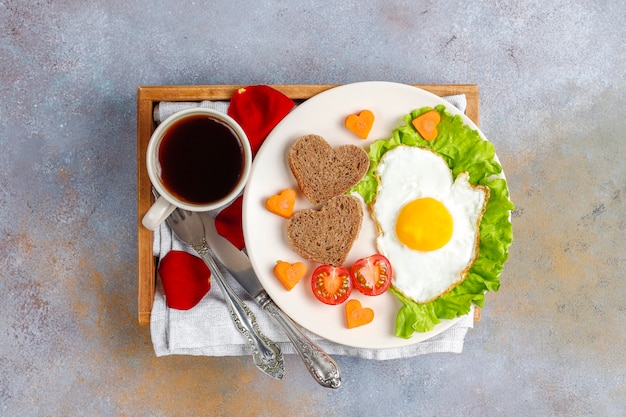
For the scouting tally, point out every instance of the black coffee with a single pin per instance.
(201, 159)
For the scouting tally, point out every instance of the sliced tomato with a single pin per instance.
(331, 285)
(372, 275)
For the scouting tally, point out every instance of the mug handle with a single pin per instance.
(157, 214)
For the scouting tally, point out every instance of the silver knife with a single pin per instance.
(319, 364)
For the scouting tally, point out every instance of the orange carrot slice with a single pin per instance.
(360, 124)
(282, 203)
(426, 124)
(357, 315)
(289, 274)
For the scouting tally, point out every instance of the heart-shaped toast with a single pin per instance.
(323, 171)
(326, 235)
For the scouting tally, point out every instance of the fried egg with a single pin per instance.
(428, 223)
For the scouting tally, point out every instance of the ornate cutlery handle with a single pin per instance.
(319, 364)
(266, 354)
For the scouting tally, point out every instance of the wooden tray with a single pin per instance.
(148, 97)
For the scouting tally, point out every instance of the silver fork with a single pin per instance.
(266, 354)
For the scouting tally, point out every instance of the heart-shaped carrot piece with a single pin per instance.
(360, 124)
(426, 124)
(282, 204)
(289, 274)
(357, 315)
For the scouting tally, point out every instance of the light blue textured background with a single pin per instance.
(553, 92)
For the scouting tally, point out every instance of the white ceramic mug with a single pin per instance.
(192, 163)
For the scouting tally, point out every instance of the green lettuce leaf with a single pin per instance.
(464, 150)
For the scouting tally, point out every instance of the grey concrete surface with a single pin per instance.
(553, 93)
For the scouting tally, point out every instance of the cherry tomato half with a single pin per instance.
(372, 275)
(331, 285)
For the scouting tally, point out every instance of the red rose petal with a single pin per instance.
(258, 109)
(185, 278)
(228, 223)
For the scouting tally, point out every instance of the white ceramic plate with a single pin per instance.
(264, 232)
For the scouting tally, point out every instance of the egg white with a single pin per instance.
(406, 173)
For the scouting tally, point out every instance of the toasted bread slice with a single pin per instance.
(323, 172)
(326, 235)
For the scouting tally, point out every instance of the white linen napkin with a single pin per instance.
(207, 329)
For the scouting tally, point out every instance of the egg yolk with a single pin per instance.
(424, 224)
